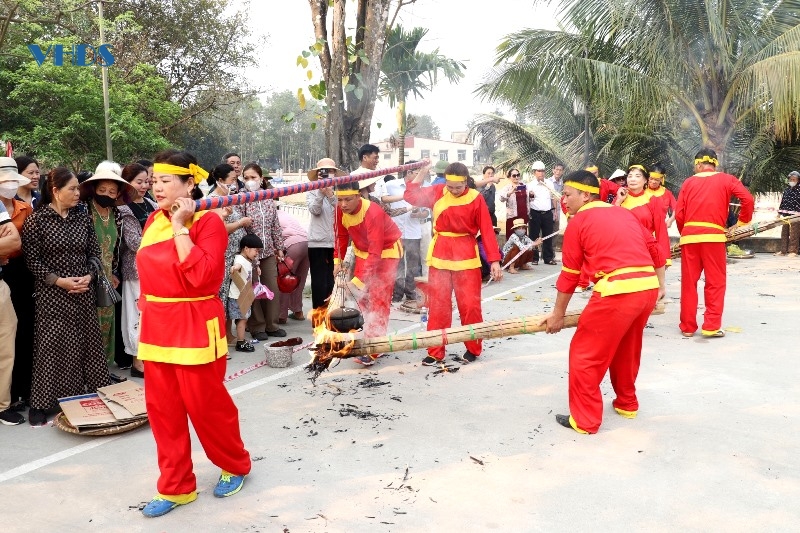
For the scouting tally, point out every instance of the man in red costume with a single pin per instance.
(701, 214)
(377, 249)
(628, 266)
(454, 264)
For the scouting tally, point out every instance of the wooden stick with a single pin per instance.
(441, 337)
(745, 232)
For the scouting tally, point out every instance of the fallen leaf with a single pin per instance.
(733, 329)
(518, 297)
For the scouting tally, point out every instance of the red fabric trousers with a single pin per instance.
(597, 348)
(176, 393)
(710, 259)
(467, 285)
(376, 300)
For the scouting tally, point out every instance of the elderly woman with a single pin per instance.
(515, 195)
(223, 181)
(181, 266)
(133, 217)
(101, 193)
(58, 240)
(263, 322)
(296, 243)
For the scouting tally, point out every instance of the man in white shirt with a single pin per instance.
(557, 184)
(411, 230)
(540, 207)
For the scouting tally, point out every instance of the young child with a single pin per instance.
(517, 242)
(249, 247)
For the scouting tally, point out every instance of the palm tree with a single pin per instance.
(406, 71)
(692, 73)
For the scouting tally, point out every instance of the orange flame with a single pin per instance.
(329, 343)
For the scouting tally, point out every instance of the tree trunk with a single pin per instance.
(347, 123)
(401, 131)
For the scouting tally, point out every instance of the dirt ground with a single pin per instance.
(400, 447)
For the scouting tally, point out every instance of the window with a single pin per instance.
(443, 155)
(425, 154)
(462, 155)
(387, 155)
(405, 154)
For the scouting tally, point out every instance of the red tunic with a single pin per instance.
(374, 234)
(650, 212)
(620, 262)
(666, 197)
(702, 209)
(183, 320)
(456, 222)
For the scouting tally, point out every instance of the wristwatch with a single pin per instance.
(182, 231)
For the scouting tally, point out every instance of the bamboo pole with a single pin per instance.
(215, 202)
(332, 343)
(750, 230)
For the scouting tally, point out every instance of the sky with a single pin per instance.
(470, 36)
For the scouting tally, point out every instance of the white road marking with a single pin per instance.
(75, 450)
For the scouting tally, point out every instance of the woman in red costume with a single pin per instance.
(656, 185)
(181, 265)
(454, 264)
(648, 209)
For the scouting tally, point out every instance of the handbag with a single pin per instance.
(105, 293)
(287, 281)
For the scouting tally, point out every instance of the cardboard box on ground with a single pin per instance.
(109, 406)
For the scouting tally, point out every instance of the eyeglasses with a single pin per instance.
(514, 175)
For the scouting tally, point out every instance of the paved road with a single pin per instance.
(398, 448)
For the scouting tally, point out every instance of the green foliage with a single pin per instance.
(71, 131)
(660, 80)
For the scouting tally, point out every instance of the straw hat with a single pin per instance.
(326, 163)
(10, 172)
(87, 186)
(519, 223)
(362, 184)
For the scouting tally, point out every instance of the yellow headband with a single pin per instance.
(195, 171)
(640, 167)
(583, 187)
(592, 168)
(453, 177)
(706, 159)
(348, 192)
(656, 175)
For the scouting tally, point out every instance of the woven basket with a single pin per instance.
(278, 357)
(62, 423)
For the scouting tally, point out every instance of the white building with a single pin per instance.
(418, 148)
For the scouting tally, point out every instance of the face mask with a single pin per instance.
(8, 192)
(104, 201)
(252, 185)
(791, 184)
(520, 232)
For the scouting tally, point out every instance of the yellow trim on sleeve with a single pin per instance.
(336, 260)
(357, 282)
(571, 271)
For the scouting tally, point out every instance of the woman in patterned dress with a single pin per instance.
(263, 321)
(101, 192)
(132, 219)
(58, 239)
(223, 182)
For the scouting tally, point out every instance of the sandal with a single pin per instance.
(779, 254)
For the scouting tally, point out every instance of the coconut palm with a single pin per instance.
(693, 73)
(406, 71)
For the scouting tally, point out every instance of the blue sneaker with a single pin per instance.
(158, 506)
(228, 485)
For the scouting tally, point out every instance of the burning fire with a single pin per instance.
(328, 343)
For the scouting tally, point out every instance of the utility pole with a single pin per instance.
(104, 75)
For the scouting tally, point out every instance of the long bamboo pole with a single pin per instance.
(332, 343)
(215, 202)
(750, 230)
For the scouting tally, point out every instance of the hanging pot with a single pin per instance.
(345, 319)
